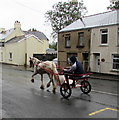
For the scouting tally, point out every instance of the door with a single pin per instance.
(97, 62)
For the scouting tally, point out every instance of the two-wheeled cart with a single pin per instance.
(81, 80)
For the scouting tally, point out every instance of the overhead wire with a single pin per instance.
(23, 5)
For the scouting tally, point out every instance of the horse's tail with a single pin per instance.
(56, 75)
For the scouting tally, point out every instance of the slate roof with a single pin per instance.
(38, 34)
(101, 19)
(19, 38)
(15, 39)
(4, 34)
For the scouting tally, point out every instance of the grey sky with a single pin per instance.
(31, 12)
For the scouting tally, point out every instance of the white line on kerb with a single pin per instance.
(105, 92)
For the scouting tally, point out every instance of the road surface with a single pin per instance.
(23, 99)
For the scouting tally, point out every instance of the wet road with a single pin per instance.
(23, 99)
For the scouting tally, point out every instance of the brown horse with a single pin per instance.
(47, 67)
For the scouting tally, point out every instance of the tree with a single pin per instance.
(64, 13)
(33, 30)
(53, 45)
(114, 5)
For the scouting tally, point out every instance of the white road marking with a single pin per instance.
(105, 92)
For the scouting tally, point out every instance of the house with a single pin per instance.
(97, 37)
(104, 57)
(16, 45)
(74, 40)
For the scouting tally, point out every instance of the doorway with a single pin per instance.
(97, 62)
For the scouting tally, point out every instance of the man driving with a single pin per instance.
(76, 68)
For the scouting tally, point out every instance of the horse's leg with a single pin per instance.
(32, 80)
(51, 80)
(54, 86)
(48, 84)
(42, 85)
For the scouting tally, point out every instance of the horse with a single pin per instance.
(45, 67)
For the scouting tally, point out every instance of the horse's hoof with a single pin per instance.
(54, 91)
(32, 80)
(48, 85)
(42, 87)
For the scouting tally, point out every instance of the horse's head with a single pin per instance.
(33, 61)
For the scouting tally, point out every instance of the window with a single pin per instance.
(116, 61)
(67, 40)
(104, 36)
(10, 56)
(80, 39)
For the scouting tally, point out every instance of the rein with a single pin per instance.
(50, 71)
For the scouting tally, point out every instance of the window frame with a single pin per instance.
(115, 66)
(67, 41)
(102, 35)
(80, 39)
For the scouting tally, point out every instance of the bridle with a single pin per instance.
(31, 63)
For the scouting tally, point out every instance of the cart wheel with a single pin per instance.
(85, 87)
(65, 90)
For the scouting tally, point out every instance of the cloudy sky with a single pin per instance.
(30, 13)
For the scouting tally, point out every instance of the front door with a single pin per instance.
(97, 63)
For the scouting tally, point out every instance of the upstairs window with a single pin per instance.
(104, 36)
(67, 41)
(116, 62)
(80, 39)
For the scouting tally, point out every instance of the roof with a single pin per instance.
(4, 34)
(38, 34)
(20, 38)
(97, 20)
(15, 39)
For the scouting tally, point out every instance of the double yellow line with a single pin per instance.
(96, 112)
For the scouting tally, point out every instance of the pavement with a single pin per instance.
(93, 76)
(105, 76)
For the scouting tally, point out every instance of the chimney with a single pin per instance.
(17, 25)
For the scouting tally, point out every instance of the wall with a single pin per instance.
(46, 45)
(62, 50)
(105, 51)
(33, 46)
